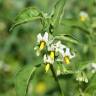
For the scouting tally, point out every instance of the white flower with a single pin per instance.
(47, 61)
(59, 46)
(55, 48)
(42, 41)
(41, 38)
(83, 16)
(67, 55)
(51, 47)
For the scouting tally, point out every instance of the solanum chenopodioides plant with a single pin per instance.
(55, 50)
(50, 47)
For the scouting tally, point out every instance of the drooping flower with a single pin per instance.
(81, 77)
(47, 60)
(51, 50)
(83, 16)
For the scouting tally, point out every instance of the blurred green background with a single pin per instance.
(17, 47)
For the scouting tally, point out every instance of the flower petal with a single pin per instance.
(45, 58)
(83, 14)
(38, 52)
(39, 37)
(68, 52)
(45, 37)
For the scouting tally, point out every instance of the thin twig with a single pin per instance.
(56, 79)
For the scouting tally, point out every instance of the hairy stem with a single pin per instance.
(56, 79)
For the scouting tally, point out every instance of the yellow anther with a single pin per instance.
(52, 54)
(66, 60)
(42, 45)
(83, 18)
(47, 67)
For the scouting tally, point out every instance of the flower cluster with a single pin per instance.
(56, 51)
(81, 77)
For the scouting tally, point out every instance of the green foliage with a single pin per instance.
(61, 19)
(23, 78)
(27, 15)
(50, 22)
(58, 11)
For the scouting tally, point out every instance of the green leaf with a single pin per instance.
(67, 38)
(23, 78)
(58, 11)
(27, 15)
(74, 23)
(91, 87)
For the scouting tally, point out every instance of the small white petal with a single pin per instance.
(50, 60)
(39, 37)
(60, 45)
(51, 47)
(86, 80)
(62, 52)
(45, 58)
(58, 72)
(67, 52)
(63, 46)
(82, 13)
(38, 53)
(45, 37)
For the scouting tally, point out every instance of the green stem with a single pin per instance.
(56, 79)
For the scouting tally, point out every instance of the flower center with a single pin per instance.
(42, 45)
(66, 60)
(52, 55)
(83, 18)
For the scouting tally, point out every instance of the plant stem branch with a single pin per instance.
(56, 79)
